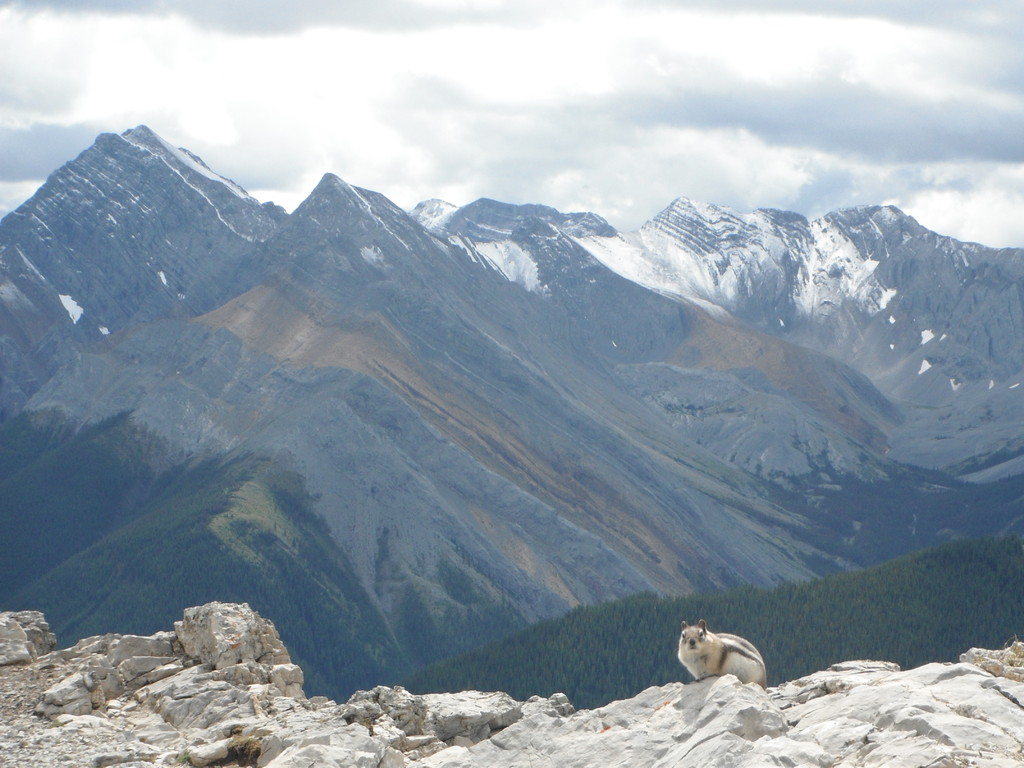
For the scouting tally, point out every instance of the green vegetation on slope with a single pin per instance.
(61, 491)
(234, 532)
(928, 606)
(101, 543)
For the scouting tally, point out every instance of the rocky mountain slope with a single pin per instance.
(490, 409)
(934, 323)
(220, 690)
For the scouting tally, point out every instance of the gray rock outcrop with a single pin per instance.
(854, 714)
(24, 636)
(221, 690)
(1009, 662)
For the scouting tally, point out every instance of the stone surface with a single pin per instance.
(1008, 662)
(14, 644)
(90, 705)
(471, 715)
(24, 636)
(225, 634)
(857, 714)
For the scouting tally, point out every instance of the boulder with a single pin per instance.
(1008, 662)
(471, 715)
(24, 636)
(942, 714)
(857, 714)
(71, 696)
(405, 711)
(225, 634)
(204, 754)
(713, 722)
(123, 647)
(194, 699)
(85, 690)
(15, 647)
(138, 671)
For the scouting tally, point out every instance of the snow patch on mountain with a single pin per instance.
(372, 255)
(628, 255)
(513, 262)
(74, 311)
(433, 215)
(836, 270)
(698, 250)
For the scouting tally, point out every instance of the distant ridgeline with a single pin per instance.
(928, 606)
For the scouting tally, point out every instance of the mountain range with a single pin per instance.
(441, 424)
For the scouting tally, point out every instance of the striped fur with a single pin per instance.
(705, 653)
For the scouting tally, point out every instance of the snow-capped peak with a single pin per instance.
(433, 214)
(713, 253)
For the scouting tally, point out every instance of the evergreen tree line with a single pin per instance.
(928, 606)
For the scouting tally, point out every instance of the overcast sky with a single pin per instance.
(614, 106)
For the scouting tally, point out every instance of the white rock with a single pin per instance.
(852, 715)
(1008, 662)
(224, 634)
(941, 712)
(203, 754)
(123, 647)
(156, 731)
(74, 695)
(714, 722)
(288, 679)
(470, 714)
(143, 670)
(328, 756)
(14, 644)
(340, 745)
(24, 636)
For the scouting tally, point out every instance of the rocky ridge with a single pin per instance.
(220, 689)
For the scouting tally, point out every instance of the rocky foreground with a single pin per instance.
(221, 690)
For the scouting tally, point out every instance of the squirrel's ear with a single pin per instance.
(685, 625)
(702, 625)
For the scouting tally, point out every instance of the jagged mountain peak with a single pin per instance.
(130, 231)
(181, 159)
(767, 266)
(433, 214)
(335, 197)
(887, 213)
(362, 223)
(486, 220)
(708, 227)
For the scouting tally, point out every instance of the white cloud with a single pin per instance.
(613, 107)
(974, 203)
(14, 193)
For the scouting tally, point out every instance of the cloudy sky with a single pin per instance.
(615, 106)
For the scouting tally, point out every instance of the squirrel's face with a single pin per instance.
(693, 637)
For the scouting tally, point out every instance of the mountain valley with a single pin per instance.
(440, 425)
